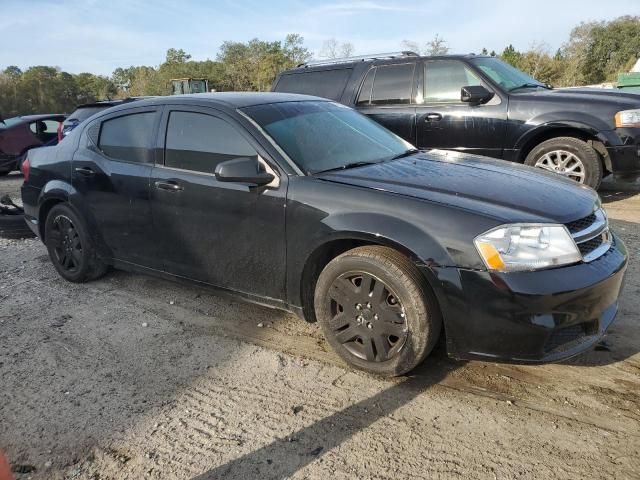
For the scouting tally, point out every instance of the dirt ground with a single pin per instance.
(133, 377)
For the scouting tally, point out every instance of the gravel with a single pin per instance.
(109, 380)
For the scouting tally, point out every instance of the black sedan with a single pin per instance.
(304, 204)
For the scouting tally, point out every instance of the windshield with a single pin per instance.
(321, 136)
(9, 122)
(508, 77)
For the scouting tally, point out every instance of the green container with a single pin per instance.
(629, 80)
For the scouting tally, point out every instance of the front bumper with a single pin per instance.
(624, 150)
(531, 317)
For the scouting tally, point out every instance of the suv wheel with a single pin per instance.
(569, 157)
(70, 248)
(376, 310)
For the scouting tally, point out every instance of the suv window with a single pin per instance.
(128, 137)
(321, 83)
(199, 142)
(392, 84)
(444, 79)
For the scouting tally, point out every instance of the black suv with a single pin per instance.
(481, 105)
(304, 204)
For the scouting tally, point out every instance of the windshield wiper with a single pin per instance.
(406, 153)
(529, 85)
(346, 166)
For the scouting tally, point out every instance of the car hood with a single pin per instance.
(506, 191)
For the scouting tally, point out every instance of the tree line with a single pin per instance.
(594, 53)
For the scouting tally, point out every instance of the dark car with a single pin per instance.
(303, 204)
(481, 105)
(19, 134)
(82, 112)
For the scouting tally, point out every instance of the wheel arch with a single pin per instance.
(53, 193)
(545, 132)
(326, 251)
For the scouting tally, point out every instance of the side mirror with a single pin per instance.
(475, 94)
(243, 170)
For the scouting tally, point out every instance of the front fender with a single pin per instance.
(536, 128)
(390, 230)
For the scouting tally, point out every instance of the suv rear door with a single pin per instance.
(444, 121)
(387, 95)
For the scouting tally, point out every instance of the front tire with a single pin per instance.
(569, 157)
(376, 311)
(70, 247)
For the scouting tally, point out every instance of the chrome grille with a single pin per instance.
(591, 235)
(581, 224)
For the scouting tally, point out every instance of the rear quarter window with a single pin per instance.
(324, 83)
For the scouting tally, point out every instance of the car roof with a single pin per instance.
(43, 116)
(232, 100)
(111, 103)
(345, 63)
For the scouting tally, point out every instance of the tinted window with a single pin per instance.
(199, 142)
(127, 138)
(325, 83)
(392, 84)
(445, 78)
(320, 135)
(81, 114)
(365, 91)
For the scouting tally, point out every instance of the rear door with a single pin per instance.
(223, 233)
(111, 175)
(444, 121)
(387, 96)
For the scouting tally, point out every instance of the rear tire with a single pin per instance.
(70, 247)
(376, 310)
(569, 157)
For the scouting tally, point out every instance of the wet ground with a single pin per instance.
(135, 377)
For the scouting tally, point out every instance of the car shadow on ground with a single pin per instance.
(312, 442)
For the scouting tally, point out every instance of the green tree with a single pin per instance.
(511, 55)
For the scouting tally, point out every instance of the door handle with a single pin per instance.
(86, 171)
(433, 117)
(170, 186)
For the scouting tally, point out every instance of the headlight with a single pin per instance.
(628, 118)
(511, 248)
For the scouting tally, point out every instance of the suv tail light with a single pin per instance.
(24, 168)
(60, 132)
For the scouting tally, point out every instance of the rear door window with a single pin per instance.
(323, 83)
(128, 137)
(81, 114)
(199, 142)
(444, 79)
(392, 84)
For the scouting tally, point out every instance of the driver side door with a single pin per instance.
(444, 121)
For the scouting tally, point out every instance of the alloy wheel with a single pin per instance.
(65, 241)
(563, 163)
(368, 319)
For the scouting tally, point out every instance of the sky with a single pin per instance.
(98, 36)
